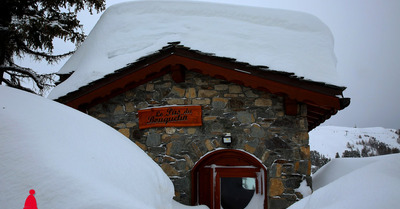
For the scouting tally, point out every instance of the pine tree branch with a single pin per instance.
(29, 27)
(48, 57)
(9, 83)
(26, 72)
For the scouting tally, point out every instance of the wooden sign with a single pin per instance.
(172, 116)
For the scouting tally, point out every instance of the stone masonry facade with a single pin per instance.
(256, 120)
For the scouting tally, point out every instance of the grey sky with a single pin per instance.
(366, 45)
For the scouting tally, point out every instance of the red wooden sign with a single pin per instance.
(178, 116)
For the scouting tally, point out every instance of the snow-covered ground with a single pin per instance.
(72, 160)
(75, 161)
(355, 183)
(329, 140)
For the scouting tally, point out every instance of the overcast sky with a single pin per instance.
(366, 45)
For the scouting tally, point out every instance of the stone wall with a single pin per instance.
(255, 119)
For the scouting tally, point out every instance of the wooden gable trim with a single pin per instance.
(176, 64)
(261, 83)
(321, 99)
(258, 71)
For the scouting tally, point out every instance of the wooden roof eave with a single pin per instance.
(137, 76)
(322, 100)
(259, 71)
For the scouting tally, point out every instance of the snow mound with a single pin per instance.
(355, 183)
(72, 160)
(283, 40)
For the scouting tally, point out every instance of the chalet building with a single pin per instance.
(222, 97)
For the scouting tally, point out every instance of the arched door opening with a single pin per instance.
(229, 179)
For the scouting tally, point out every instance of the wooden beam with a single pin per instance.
(178, 73)
(291, 107)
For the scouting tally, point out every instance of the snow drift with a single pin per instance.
(283, 40)
(355, 183)
(75, 161)
(72, 160)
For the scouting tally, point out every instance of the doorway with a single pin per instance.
(229, 179)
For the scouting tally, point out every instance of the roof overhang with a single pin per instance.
(322, 100)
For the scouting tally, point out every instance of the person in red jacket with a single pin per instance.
(30, 202)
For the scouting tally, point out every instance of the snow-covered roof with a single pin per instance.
(283, 40)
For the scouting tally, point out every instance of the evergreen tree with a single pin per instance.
(317, 160)
(351, 153)
(28, 27)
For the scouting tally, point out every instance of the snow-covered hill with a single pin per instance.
(329, 140)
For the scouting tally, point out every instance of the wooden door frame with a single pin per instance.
(226, 163)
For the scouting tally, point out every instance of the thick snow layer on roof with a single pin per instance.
(72, 160)
(282, 40)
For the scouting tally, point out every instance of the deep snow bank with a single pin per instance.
(72, 160)
(355, 183)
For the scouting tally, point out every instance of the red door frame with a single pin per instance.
(223, 163)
